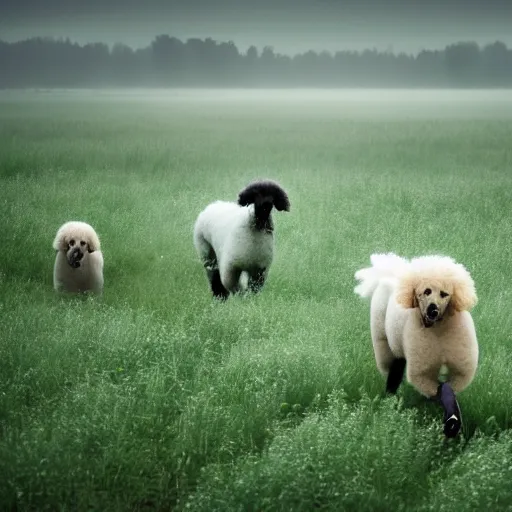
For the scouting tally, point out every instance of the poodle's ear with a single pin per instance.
(464, 296)
(60, 243)
(264, 189)
(247, 196)
(406, 292)
(281, 201)
(93, 242)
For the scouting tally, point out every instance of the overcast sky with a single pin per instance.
(289, 26)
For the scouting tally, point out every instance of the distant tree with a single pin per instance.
(252, 54)
(463, 63)
(123, 65)
(94, 62)
(230, 58)
(430, 68)
(497, 64)
(168, 59)
(249, 67)
(267, 65)
(268, 55)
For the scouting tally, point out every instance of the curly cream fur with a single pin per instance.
(77, 241)
(397, 290)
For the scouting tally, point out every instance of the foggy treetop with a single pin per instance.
(171, 62)
(290, 26)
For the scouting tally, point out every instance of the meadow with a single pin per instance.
(156, 397)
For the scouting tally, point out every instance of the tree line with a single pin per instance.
(170, 62)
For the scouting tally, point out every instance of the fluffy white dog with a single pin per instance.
(235, 238)
(79, 261)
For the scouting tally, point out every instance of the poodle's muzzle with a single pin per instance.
(264, 206)
(432, 315)
(262, 209)
(74, 256)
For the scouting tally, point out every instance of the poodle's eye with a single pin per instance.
(71, 242)
(428, 291)
(444, 294)
(82, 243)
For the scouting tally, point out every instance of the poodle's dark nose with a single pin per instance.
(77, 254)
(264, 208)
(267, 204)
(432, 311)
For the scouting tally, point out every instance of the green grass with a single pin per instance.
(154, 397)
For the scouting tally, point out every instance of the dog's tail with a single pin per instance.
(384, 266)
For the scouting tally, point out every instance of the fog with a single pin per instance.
(302, 104)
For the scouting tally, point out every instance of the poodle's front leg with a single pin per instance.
(424, 380)
(462, 369)
(461, 354)
(257, 279)
(218, 289)
(230, 277)
(213, 275)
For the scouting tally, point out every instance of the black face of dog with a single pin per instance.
(264, 195)
(262, 192)
(263, 207)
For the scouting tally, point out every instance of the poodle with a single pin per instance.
(79, 261)
(420, 319)
(232, 239)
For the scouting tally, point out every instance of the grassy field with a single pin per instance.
(154, 396)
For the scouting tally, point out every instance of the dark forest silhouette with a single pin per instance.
(169, 62)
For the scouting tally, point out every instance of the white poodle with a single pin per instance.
(79, 261)
(235, 238)
(420, 319)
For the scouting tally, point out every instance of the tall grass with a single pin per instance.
(156, 397)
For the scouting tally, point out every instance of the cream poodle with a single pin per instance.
(79, 261)
(420, 316)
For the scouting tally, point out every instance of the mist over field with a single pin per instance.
(301, 103)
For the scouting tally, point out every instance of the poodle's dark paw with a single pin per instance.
(452, 426)
(452, 415)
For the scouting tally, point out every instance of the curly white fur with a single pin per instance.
(79, 260)
(233, 239)
(400, 327)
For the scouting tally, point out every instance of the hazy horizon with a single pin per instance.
(289, 26)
